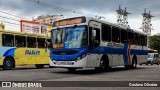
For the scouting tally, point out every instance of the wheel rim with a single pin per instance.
(103, 65)
(8, 63)
(134, 63)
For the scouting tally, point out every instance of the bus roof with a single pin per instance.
(22, 33)
(116, 25)
(106, 22)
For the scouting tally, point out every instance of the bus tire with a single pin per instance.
(104, 65)
(8, 63)
(39, 65)
(134, 63)
(71, 69)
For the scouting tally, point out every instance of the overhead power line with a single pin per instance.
(11, 23)
(12, 15)
(56, 7)
(9, 18)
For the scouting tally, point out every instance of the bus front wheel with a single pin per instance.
(104, 66)
(39, 65)
(7, 64)
(71, 69)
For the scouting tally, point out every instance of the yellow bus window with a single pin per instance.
(8, 40)
(40, 42)
(31, 42)
(20, 41)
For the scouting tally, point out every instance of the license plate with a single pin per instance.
(65, 63)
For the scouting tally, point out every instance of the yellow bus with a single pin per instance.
(19, 48)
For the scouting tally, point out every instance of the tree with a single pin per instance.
(155, 42)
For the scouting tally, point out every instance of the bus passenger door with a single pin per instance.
(94, 43)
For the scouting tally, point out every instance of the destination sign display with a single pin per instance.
(70, 21)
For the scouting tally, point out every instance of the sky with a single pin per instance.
(28, 9)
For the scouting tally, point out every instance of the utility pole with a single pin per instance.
(146, 24)
(119, 15)
(122, 16)
(125, 17)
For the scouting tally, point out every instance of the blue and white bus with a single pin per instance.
(86, 42)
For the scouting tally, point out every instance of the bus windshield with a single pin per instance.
(69, 37)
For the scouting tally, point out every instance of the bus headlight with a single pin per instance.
(81, 57)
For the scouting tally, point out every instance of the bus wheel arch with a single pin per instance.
(104, 64)
(8, 63)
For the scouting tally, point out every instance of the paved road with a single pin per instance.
(29, 73)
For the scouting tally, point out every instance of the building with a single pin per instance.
(48, 19)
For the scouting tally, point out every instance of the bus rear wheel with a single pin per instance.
(39, 65)
(133, 66)
(7, 64)
(134, 63)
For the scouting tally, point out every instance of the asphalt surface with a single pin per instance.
(30, 73)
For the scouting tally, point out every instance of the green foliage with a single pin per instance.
(155, 42)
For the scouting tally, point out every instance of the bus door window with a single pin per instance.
(94, 37)
(20, 41)
(8, 40)
(31, 42)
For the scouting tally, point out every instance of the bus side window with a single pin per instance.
(31, 42)
(41, 42)
(131, 38)
(123, 36)
(143, 40)
(115, 35)
(20, 41)
(106, 32)
(8, 40)
(137, 39)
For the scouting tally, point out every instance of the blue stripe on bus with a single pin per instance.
(110, 50)
(122, 51)
(100, 50)
(9, 52)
